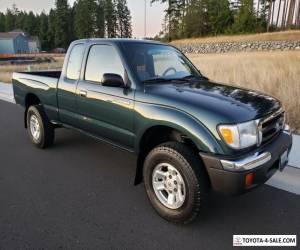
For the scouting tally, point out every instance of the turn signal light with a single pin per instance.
(249, 179)
(227, 135)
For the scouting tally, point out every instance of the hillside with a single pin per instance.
(293, 35)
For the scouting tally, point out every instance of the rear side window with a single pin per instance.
(103, 59)
(74, 63)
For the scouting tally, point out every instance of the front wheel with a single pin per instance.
(176, 182)
(40, 130)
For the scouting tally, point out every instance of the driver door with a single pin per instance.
(106, 112)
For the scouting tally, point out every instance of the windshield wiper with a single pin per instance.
(157, 80)
(185, 78)
(192, 77)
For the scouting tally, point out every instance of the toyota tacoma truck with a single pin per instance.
(191, 135)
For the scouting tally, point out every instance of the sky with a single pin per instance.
(155, 13)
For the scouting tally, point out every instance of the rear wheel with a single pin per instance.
(40, 130)
(176, 182)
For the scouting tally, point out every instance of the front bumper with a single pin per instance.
(229, 176)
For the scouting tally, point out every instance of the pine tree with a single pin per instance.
(263, 14)
(62, 27)
(20, 20)
(2, 22)
(174, 14)
(10, 20)
(174, 19)
(100, 18)
(220, 17)
(37, 25)
(15, 12)
(51, 29)
(245, 20)
(85, 18)
(72, 35)
(127, 22)
(43, 32)
(110, 18)
(30, 24)
(196, 19)
(123, 19)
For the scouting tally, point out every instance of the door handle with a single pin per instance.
(83, 93)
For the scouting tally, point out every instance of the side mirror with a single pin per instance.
(112, 80)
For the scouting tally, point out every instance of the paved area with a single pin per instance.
(295, 153)
(288, 180)
(79, 195)
(6, 92)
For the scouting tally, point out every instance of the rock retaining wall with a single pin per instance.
(224, 47)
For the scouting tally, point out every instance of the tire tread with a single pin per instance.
(48, 129)
(191, 164)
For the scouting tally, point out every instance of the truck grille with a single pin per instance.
(272, 125)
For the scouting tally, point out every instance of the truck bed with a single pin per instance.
(52, 74)
(39, 83)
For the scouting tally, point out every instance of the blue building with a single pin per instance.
(13, 43)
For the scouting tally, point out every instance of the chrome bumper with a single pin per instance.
(252, 161)
(248, 163)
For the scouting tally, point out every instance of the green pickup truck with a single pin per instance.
(191, 135)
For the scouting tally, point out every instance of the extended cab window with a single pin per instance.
(103, 59)
(74, 64)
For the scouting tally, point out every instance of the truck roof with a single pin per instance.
(118, 40)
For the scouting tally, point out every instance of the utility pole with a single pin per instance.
(145, 21)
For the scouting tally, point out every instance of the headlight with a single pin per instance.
(241, 135)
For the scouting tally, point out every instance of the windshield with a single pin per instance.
(158, 62)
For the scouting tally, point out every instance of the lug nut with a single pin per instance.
(175, 182)
(175, 190)
(170, 176)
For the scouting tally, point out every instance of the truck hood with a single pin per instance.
(211, 102)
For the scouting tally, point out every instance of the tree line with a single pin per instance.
(65, 23)
(195, 18)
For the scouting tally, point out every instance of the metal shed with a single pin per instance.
(13, 43)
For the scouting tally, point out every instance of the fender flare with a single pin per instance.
(154, 115)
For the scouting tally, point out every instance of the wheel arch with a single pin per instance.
(158, 134)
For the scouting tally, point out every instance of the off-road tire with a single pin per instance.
(46, 137)
(190, 167)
